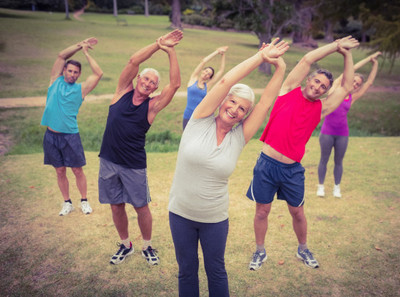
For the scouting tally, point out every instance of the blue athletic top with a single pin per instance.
(125, 134)
(62, 106)
(194, 97)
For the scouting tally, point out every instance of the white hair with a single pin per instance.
(243, 91)
(144, 71)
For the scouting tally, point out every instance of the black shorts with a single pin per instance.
(63, 149)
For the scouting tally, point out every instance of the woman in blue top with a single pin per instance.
(202, 79)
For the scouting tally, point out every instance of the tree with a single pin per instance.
(146, 8)
(115, 8)
(384, 18)
(176, 15)
(66, 9)
(266, 18)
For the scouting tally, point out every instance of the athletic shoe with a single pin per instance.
(150, 255)
(321, 191)
(85, 206)
(66, 209)
(336, 191)
(307, 257)
(257, 260)
(122, 253)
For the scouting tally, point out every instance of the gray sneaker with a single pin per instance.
(66, 209)
(85, 206)
(121, 254)
(257, 260)
(307, 257)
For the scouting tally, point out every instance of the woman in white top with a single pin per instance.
(208, 152)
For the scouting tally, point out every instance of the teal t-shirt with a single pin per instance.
(62, 106)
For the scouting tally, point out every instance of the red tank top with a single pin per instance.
(291, 123)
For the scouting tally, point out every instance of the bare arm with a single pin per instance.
(65, 54)
(221, 70)
(91, 82)
(130, 71)
(371, 77)
(253, 122)
(200, 66)
(301, 70)
(335, 99)
(217, 94)
(161, 101)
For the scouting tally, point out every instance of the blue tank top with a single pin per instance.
(125, 134)
(194, 97)
(62, 106)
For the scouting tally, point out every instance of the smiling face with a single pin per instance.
(71, 73)
(207, 74)
(357, 83)
(233, 109)
(147, 83)
(316, 86)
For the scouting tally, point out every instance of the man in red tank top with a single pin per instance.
(296, 113)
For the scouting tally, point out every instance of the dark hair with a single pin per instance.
(325, 72)
(212, 69)
(73, 62)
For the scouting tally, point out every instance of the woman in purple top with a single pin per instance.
(335, 130)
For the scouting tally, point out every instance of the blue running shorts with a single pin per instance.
(119, 184)
(63, 149)
(271, 176)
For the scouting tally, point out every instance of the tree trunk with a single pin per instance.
(146, 8)
(264, 38)
(303, 32)
(176, 15)
(115, 8)
(66, 9)
(328, 31)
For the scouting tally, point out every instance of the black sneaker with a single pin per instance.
(151, 256)
(122, 253)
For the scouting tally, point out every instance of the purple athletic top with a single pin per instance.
(335, 123)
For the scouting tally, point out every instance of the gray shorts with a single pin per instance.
(118, 184)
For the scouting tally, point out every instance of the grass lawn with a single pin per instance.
(355, 238)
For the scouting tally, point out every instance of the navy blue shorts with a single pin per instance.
(271, 176)
(118, 184)
(63, 149)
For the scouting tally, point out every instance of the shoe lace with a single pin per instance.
(309, 255)
(151, 251)
(256, 255)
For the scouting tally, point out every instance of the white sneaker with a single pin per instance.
(321, 191)
(66, 209)
(336, 191)
(85, 206)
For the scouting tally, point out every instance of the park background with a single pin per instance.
(355, 239)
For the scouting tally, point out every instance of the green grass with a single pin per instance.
(355, 239)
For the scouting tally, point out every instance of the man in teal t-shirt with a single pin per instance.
(62, 144)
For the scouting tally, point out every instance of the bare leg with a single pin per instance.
(299, 223)
(261, 222)
(120, 219)
(145, 221)
(62, 181)
(81, 182)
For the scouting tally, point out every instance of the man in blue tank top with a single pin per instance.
(122, 174)
(61, 143)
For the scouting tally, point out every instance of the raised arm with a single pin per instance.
(253, 122)
(333, 100)
(161, 101)
(357, 66)
(65, 54)
(301, 70)
(217, 94)
(195, 74)
(125, 83)
(371, 77)
(220, 72)
(91, 82)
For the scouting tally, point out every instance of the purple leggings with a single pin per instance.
(327, 142)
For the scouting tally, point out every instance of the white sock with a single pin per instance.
(146, 244)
